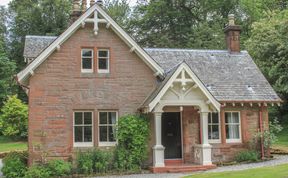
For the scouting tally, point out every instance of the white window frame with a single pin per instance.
(92, 60)
(219, 127)
(83, 144)
(240, 129)
(107, 143)
(105, 71)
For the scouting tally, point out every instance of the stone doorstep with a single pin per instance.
(182, 168)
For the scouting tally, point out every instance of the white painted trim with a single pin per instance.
(105, 71)
(106, 143)
(83, 144)
(185, 67)
(92, 60)
(24, 74)
(240, 124)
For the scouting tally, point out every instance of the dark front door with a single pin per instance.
(171, 135)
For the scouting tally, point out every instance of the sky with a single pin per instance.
(5, 2)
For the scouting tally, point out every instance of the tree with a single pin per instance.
(119, 10)
(7, 67)
(268, 45)
(14, 117)
(182, 23)
(35, 17)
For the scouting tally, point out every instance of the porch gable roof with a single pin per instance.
(163, 87)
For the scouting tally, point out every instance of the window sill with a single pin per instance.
(84, 144)
(107, 144)
(214, 141)
(233, 141)
(95, 75)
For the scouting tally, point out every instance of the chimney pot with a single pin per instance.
(231, 18)
(232, 35)
(84, 5)
(92, 2)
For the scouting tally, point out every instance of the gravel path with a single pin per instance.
(277, 161)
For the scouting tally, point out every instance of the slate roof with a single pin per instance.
(229, 77)
(34, 45)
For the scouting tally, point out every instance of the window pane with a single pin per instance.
(103, 63)
(209, 132)
(86, 63)
(87, 134)
(87, 118)
(87, 52)
(215, 118)
(78, 134)
(103, 53)
(103, 134)
(78, 118)
(112, 118)
(209, 118)
(103, 117)
(232, 132)
(235, 116)
(112, 134)
(227, 117)
(215, 132)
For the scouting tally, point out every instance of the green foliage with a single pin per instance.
(38, 171)
(268, 45)
(119, 10)
(247, 156)
(59, 167)
(14, 117)
(15, 164)
(94, 161)
(269, 136)
(132, 135)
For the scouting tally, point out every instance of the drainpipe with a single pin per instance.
(261, 131)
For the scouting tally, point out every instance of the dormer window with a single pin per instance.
(103, 61)
(87, 61)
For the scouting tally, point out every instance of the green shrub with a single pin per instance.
(247, 156)
(84, 162)
(132, 135)
(14, 117)
(59, 167)
(15, 164)
(94, 161)
(38, 171)
(102, 161)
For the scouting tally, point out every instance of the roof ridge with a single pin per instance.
(39, 36)
(190, 49)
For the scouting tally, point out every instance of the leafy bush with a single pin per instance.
(248, 155)
(132, 135)
(38, 171)
(269, 136)
(94, 161)
(84, 162)
(59, 167)
(15, 164)
(14, 117)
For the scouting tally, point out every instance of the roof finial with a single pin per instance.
(100, 3)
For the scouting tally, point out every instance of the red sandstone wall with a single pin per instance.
(58, 88)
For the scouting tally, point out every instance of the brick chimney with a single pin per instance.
(76, 11)
(232, 35)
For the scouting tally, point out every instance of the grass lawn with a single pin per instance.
(280, 171)
(8, 144)
(282, 143)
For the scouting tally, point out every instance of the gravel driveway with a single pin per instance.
(277, 161)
